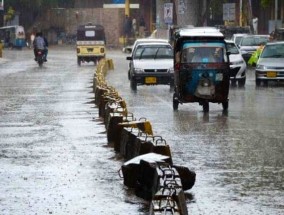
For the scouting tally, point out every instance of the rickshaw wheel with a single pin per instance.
(205, 106)
(128, 74)
(257, 82)
(242, 82)
(175, 102)
(133, 84)
(78, 61)
(225, 105)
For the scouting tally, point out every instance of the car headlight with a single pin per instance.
(138, 70)
(260, 67)
(171, 70)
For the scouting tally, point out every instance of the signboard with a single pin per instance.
(181, 6)
(168, 13)
(118, 1)
(229, 12)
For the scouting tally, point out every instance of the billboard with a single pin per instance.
(118, 1)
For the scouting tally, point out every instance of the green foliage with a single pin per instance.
(10, 14)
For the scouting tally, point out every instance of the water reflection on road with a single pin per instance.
(238, 156)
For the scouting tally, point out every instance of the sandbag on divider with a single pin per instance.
(131, 168)
(118, 106)
(187, 176)
(117, 130)
(112, 128)
(100, 90)
(109, 95)
(161, 147)
(143, 144)
(169, 201)
(128, 137)
(170, 198)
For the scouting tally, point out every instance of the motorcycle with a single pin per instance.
(40, 57)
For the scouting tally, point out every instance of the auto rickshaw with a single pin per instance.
(201, 64)
(90, 43)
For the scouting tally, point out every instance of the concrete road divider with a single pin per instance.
(149, 168)
(130, 169)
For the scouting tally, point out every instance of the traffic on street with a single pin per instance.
(55, 157)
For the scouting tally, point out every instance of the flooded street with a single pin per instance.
(55, 158)
(238, 157)
(53, 151)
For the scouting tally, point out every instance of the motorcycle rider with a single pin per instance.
(40, 43)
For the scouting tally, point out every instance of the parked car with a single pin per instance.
(236, 38)
(151, 64)
(270, 65)
(250, 43)
(238, 65)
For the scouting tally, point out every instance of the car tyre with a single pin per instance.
(205, 106)
(242, 82)
(175, 102)
(79, 61)
(225, 105)
(133, 84)
(257, 82)
(233, 83)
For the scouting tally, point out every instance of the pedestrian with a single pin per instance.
(141, 27)
(134, 27)
(127, 28)
(32, 38)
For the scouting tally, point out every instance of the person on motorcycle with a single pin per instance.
(40, 44)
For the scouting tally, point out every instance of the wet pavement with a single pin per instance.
(238, 156)
(55, 158)
(53, 151)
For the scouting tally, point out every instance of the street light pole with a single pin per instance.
(241, 13)
(276, 13)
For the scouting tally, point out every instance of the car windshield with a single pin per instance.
(273, 51)
(203, 53)
(153, 52)
(253, 41)
(232, 48)
(238, 39)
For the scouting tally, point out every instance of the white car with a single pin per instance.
(250, 43)
(130, 49)
(151, 64)
(238, 65)
(236, 38)
(270, 64)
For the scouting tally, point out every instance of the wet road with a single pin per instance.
(53, 148)
(55, 159)
(238, 157)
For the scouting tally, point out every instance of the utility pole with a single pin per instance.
(1, 13)
(241, 13)
(276, 13)
(127, 7)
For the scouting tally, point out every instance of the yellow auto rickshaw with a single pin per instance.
(91, 43)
